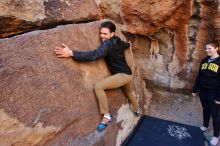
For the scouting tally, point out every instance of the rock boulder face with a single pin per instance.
(152, 15)
(19, 16)
(47, 100)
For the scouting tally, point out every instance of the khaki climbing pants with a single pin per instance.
(112, 82)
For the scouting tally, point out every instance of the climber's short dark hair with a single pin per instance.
(108, 24)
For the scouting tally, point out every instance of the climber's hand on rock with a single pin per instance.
(63, 51)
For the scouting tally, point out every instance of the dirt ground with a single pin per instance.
(179, 108)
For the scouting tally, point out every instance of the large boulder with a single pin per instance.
(46, 100)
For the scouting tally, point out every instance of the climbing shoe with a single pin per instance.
(104, 123)
(138, 113)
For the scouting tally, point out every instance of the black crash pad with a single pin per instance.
(151, 131)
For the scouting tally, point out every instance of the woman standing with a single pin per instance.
(207, 85)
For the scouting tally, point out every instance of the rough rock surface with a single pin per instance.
(217, 21)
(169, 56)
(147, 17)
(46, 97)
(18, 16)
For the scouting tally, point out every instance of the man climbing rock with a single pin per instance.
(112, 49)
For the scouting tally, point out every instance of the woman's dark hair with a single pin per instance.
(215, 44)
(108, 24)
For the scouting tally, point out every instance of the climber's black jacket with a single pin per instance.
(113, 52)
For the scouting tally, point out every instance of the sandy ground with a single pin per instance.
(178, 107)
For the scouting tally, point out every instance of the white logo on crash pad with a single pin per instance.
(178, 132)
